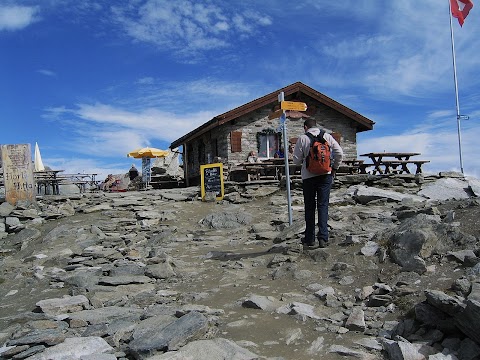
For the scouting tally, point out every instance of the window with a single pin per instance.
(236, 141)
(268, 143)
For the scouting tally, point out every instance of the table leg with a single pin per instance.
(376, 163)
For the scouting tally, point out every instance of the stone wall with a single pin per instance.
(257, 121)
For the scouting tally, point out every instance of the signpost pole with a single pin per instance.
(283, 119)
(283, 122)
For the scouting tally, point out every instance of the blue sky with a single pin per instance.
(92, 80)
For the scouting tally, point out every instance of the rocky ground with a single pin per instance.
(160, 274)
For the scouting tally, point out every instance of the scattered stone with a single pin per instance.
(139, 267)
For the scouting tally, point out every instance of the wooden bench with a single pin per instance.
(364, 166)
(350, 166)
(348, 169)
(400, 166)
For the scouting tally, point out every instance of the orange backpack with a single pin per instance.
(319, 159)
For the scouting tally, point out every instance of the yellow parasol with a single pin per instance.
(147, 152)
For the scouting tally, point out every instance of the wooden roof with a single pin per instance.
(364, 123)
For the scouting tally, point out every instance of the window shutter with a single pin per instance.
(236, 141)
(337, 136)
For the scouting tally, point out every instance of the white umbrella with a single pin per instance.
(38, 160)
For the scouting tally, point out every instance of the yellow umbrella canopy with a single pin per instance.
(147, 152)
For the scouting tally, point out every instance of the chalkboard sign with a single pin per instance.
(212, 180)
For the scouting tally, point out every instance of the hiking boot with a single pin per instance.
(308, 245)
(305, 242)
(322, 243)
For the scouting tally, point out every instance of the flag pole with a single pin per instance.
(457, 103)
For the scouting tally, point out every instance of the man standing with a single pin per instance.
(133, 172)
(316, 188)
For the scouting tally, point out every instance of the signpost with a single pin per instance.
(283, 119)
(280, 113)
(293, 105)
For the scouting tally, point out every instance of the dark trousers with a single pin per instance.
(316, 194)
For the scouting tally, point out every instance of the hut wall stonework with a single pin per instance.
(257, 121)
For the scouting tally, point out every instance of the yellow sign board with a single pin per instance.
(211, 176)
(293, 105)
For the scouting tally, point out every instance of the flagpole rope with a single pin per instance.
(457, 103)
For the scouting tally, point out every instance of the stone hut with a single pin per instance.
(230, 137)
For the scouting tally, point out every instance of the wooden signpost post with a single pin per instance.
(287, 105)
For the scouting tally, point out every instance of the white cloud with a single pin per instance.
(146, 81)
(105, 130)
(47, 72)
(17, 17)
(186, 26)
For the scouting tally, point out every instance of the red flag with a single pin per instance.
(460, 9)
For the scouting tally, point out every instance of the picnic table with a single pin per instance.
(49, 180)
(396, 162)
(80, 180)
(270, 169)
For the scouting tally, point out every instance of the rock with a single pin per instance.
(474, 185)
(148, 268)
(105, 315)
(160, 271)
(66, 304)
(406, 350)
(365, 194)
(469, 350)
(462, 254)
(226, 220)
(322, 293)
(413, 241)
(48, 336)
(448, 304)
(123, 280)
(290, 232)
(24, 236)
(370, 344)
(260, 302)
(468, 321)
(356, 320)
(303, 310)
(370, 248)
(170, 337)
(344, 351)
(215, 349)
(474, 291)
(444, 189)
(74, 349)
(6, 209)
(96, 208)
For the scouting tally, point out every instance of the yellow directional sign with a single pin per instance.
(293, 105)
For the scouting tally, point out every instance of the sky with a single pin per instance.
(90, 81)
